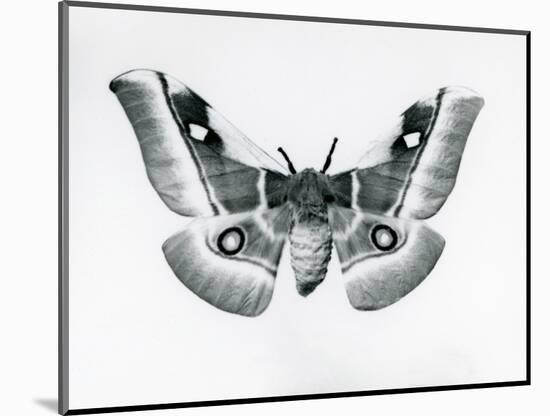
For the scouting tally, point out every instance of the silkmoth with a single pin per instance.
(247, 204)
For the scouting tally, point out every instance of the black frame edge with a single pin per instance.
(168, 406)
(528, 203)
(273, 16)
(63, 203)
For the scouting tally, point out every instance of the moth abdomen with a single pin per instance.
(310, 248)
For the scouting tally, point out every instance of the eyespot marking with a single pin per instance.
(231, 241)
(383, 237)
(412, 139)
(197, 132)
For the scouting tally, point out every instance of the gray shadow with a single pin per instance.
(49, 404)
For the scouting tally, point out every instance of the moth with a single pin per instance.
(247, 204)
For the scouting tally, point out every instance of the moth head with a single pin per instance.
(309, 193)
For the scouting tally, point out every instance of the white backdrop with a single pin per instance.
(32, 197)
(137, 336)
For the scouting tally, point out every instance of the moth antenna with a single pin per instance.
(329, 157)
(290, 165)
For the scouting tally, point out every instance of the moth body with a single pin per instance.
(310, 247)
(310, 234)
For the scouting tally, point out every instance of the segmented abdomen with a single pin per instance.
(310, 247)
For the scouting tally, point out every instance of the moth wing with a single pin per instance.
(410, 172)
(194, 157)
(384, 250)
(382, 258)
(231, 261)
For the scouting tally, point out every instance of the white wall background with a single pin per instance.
(138, 336)
(29, 181)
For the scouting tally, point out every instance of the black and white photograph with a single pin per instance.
(341, 239)
(274, 207)
(236, 208)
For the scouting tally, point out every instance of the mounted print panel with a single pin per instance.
(264, 207)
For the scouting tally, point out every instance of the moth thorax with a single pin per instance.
(310, 247)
